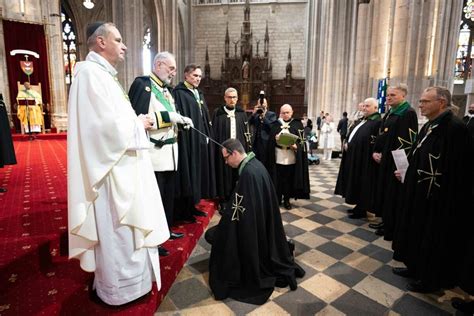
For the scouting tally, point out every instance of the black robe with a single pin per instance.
(469, 121)
(437, 214)
(7, 152)
(358, 171)
(250, 254)
(300, 187)
(225, 175)
(397, 131)
(261, 134)
(196, 170)
(140, 94)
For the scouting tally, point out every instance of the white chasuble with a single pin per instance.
(116, 217)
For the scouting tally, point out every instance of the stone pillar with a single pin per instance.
(330, 58)
(53, 34)
(128, 17)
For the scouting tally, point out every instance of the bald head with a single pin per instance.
(286, 112)
(370, 106)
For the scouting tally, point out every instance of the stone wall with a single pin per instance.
(287, 25)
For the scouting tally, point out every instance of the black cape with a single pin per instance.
(358, 171)
(437, 214)
(196, 170)
(7, 152)
(397, 131)
(301, 188)
(140, 94)
(225, 175)
(250, 254)
(469, 121)
(261, 134)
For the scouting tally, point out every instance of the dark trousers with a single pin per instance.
(285, 175)
(166, 183)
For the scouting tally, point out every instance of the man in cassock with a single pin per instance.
(250, 254)
(229, 121)
(261, 121)
(288, 164)
(436, 215)
(397, 131)
(196, 172)
(468, 119)
(7, 152)
(149, 95)
(115, 214)
(357, 172)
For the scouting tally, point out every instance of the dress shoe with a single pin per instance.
(376, 225)
(287, 205)
(465, 307)
(176, 235)
(3, 190)
(162, 251)
(403, 272)
(350, 210)
(380, 232)
(357, 216)
(199, 213)
(420, 287)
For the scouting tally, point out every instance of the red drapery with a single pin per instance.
(30, 37)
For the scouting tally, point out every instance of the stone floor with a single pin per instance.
(348, 267)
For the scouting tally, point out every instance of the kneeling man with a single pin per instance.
(250, 254)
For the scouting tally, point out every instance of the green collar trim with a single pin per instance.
(373, 116)
(249, 157)
(401, 109)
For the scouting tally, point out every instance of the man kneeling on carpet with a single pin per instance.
(250, 254)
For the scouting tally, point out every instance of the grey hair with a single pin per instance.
(442, 93)
(162, 56)
(230, 89)
(102, 30)
(400, 87)
(372, 102)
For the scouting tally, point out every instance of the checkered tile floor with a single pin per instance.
(348, 267)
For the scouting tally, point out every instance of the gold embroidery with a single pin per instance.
(430, 176)
(237, 207)
(12, 278)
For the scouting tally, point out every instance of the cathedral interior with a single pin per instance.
(317, 55)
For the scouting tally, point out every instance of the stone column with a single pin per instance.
(53, 33)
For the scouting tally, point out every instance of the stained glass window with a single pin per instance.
(146, 52)
(69, 47)
(465, 51)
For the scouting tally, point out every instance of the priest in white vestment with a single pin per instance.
(116, 217)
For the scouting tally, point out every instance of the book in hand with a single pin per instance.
(287, 139)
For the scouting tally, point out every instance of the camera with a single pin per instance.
(261, 98)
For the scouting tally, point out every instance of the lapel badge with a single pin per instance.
(386, 129)
(147, 89)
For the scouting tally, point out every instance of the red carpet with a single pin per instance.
(36, 278)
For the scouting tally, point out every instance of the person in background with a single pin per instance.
(7, 152)
(342, 127)
(327, 136)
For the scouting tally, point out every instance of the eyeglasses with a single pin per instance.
(231, 96)
(226, 157)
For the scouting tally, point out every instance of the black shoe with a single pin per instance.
(350, 210)
(199, 213)
(376, 225)
(3, 190)
(357, 216)
(162, 251)
(380, 232)
(420, 287)
(403, 272)
(287, 205)
(176, 235)
(465, 307)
